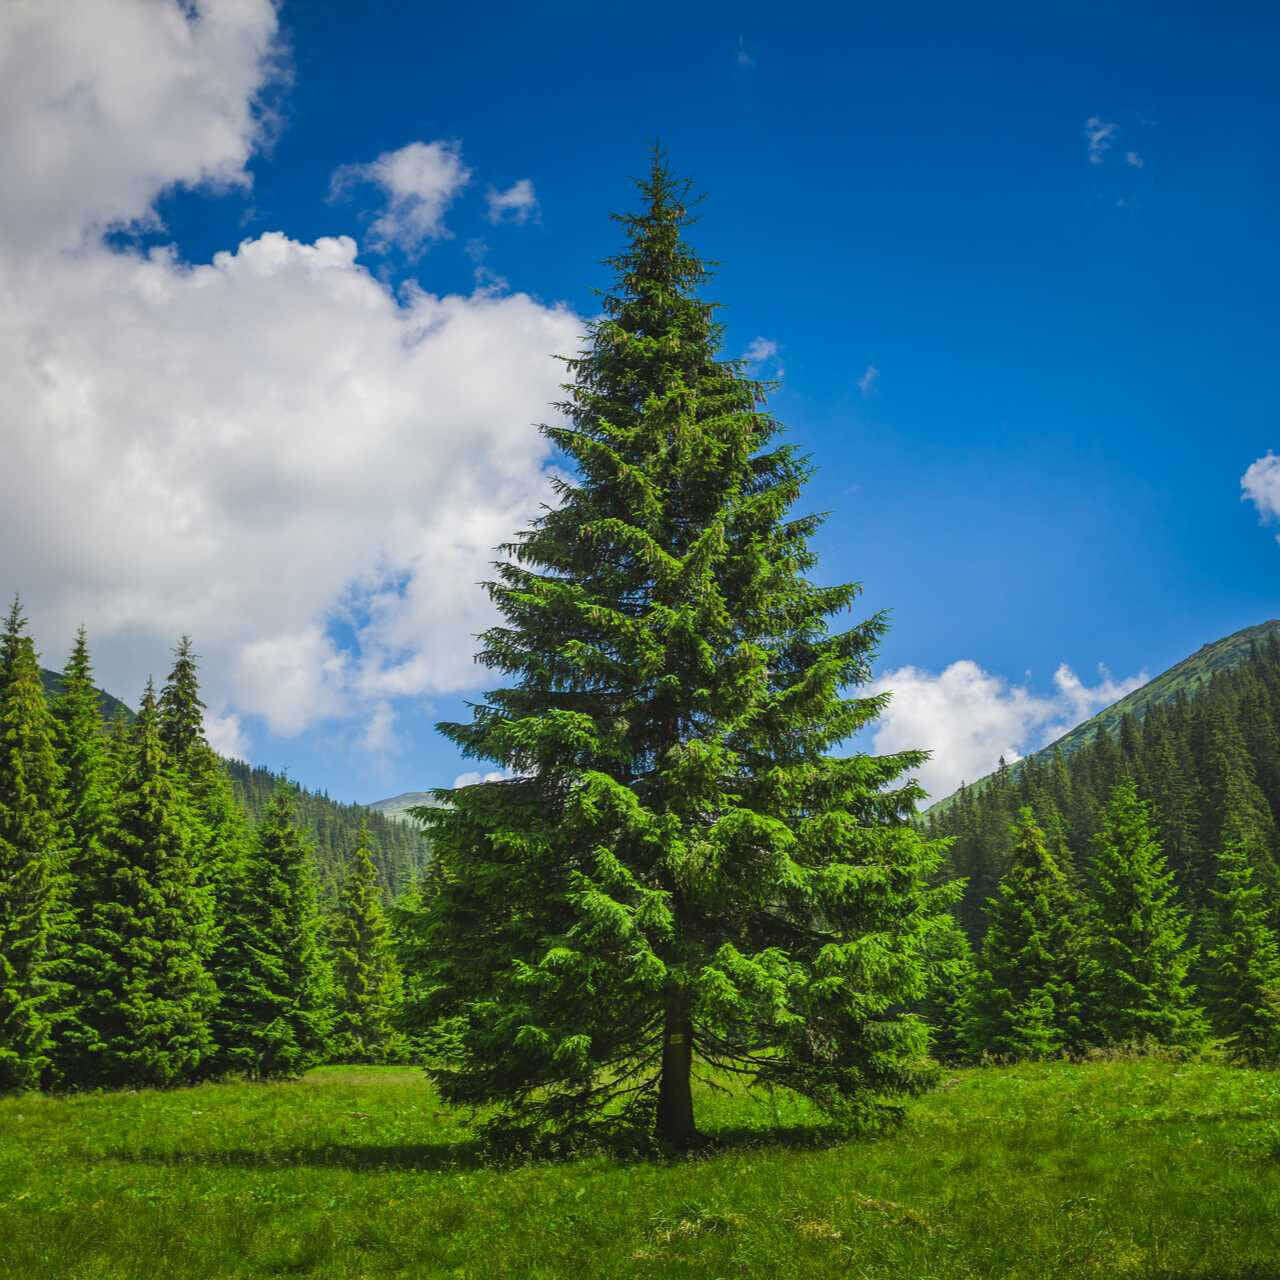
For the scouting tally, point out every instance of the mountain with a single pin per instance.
(400, 850)
(111, 707)
(1201, 743)
(1185, 677)
(396, 808)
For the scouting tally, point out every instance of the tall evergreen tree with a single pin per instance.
(220, 834)
(1140, 989)
(84, 750)
(366, 981)
(33, 849)
(1243, 960)
(1027, 997)
(678, 870)
(146, 1019)
(273, 1015)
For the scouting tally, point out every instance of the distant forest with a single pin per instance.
(1205, 761)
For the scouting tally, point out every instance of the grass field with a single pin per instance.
(1144, 1169)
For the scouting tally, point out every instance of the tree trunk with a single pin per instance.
(675, 1125)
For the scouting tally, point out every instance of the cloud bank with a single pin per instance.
(969, 717)
(270, 450)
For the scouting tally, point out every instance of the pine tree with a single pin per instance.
(677, 870)
(1027, 999)
(84, 750)
(1243, 961)
(145, 1018)
(273, 1017)
(1140, 990)
(366, 982)
(33, 849)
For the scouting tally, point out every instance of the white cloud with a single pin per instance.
(1098, 134)
(518, 202)
(1261, 485)
(105, 103)
(969, 717)
(760, 349)
(474, 776)
(379, 735)
(226, 735)
(1133, 160)
(267, 450)
(419, 182)
(744, 59)
(868, 380)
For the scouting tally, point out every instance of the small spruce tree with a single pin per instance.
(33, 851)
(678, 871)
(273, 1015)
(1242, 961)
(366, 981)
(1026, 1000)
(1140, 991)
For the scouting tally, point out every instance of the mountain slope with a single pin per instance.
(396, 808)
(1186, 677)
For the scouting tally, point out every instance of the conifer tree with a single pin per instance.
(33, 848)
(146, 1019)
(273, 1014)
(220, 834)
(677, 870)
(366, 982)
(1027, 999)
(84, 751)
(948, 1007)
(1140, 990)
(1243, 961)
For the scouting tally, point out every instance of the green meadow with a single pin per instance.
(1111, 1168)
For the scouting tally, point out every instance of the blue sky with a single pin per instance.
(1018, 270)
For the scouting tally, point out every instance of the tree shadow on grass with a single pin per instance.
(477, 1153)
(410, 1157)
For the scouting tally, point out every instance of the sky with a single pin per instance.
(282, 288)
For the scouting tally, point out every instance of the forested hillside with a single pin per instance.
(399, 849)
(1202, 745)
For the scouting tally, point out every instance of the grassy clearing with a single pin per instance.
(1113, 1169)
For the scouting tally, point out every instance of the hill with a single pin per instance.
(400, 850)
(1186, 678)
(397, 808)
(1201, 743)
(110, 707)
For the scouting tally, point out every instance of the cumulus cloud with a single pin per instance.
(1261, 485)
(271, 450)
(1133, 160)
(473, 777)
(106, 103)
(759, 350)
(226, 734)
(419, 181)
(868, 380)
(517, 202)
(1098, 137)
(969, 717)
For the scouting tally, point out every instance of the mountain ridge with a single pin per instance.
(1185, 676)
